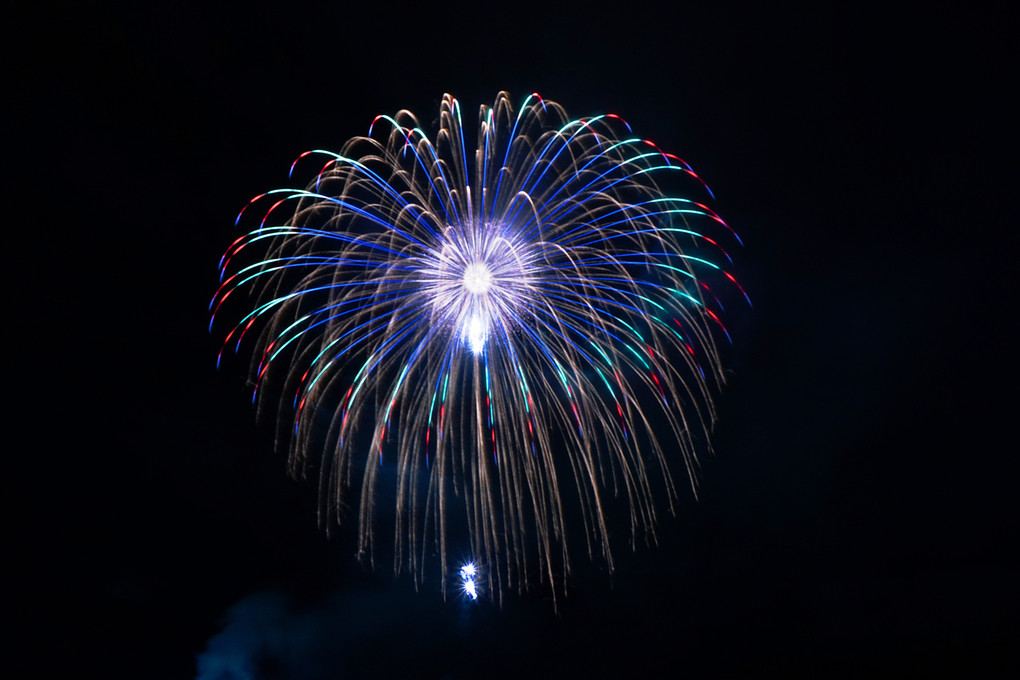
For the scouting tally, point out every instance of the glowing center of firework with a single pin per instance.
(477, 278)
(477, 281)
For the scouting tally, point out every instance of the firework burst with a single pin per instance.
(511, 337)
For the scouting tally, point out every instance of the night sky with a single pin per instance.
(857, 515)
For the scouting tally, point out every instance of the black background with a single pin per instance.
(857, 515)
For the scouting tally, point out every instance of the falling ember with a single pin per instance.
(468, 574)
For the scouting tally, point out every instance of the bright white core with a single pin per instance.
(477, 278)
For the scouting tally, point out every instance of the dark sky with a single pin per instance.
(857, 514)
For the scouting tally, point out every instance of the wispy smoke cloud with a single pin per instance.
(363, 633)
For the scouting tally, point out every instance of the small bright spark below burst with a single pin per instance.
(489, 327)
(468, 573)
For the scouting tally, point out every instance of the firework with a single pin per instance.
(508, 339)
